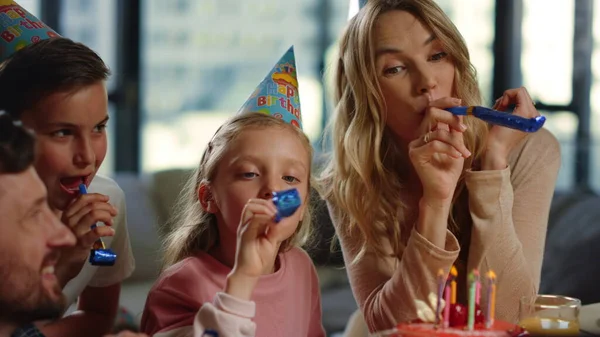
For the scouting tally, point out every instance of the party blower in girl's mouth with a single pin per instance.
(500, 118)
(99, 254)
(287, 202)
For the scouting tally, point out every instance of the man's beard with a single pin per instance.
(23, 298)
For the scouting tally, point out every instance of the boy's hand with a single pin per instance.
(84, 212)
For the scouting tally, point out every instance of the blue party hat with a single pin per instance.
(277, 94)
(19, 28)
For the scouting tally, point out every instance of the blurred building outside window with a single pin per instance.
(202, 59)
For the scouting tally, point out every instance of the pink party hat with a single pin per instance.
(19, 28)
(277, 94)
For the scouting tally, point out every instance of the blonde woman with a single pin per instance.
(413, 189)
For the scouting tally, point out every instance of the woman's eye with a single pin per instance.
(438, 56)
(394, 70)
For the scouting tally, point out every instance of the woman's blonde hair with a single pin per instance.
(193, 228)
(363, 179)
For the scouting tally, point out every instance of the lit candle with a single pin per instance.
(447, 306)
(471, 312)
(477, 287)
(491, 299)
(454, 274)
(440, 293)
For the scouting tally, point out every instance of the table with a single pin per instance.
(589, 319)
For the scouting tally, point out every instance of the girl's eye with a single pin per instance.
(438, 56)
(291, 179)
(249, 175)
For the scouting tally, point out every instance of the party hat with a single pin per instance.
(277, 94)
(19, 28)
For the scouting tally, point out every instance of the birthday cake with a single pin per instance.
(443, 317)
(498, 329)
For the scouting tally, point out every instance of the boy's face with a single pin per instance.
(71, 140)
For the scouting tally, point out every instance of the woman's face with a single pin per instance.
(412, 69)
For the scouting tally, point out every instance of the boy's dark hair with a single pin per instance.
(17, 146)
(46, 67)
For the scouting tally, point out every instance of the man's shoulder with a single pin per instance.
(29, 330)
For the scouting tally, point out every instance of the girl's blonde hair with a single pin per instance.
(193, 228)
(363, 177)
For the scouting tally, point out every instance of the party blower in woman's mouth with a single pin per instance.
(500, 118)
(99, 254)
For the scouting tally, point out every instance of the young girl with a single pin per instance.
(231, 268)
(424, 189)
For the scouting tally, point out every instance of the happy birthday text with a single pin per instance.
(15, 19)
(273, 97)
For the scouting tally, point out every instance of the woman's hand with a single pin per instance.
(82, 213)
(258, 242)
(438, 155)
(502, 140)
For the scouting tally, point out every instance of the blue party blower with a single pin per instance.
(286, 202)
(99, 254)
(500, 118)
(210, 333)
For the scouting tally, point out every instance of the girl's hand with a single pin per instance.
(84, 212)
(501, 140)
(438, 155)
(258, 242)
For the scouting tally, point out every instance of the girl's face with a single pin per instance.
(71, 140)
(412, 69)
(257, 163)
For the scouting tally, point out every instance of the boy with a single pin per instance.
(57, 88)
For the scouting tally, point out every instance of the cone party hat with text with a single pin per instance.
(277, 94)
(19, 28)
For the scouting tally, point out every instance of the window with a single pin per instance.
(475, 19)
(209, 59)
(595, 101)
(547, 65)
(182, 6)
(93, 23)
(82, 5)
(32, 6)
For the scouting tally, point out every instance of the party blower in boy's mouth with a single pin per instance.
(99, 254)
